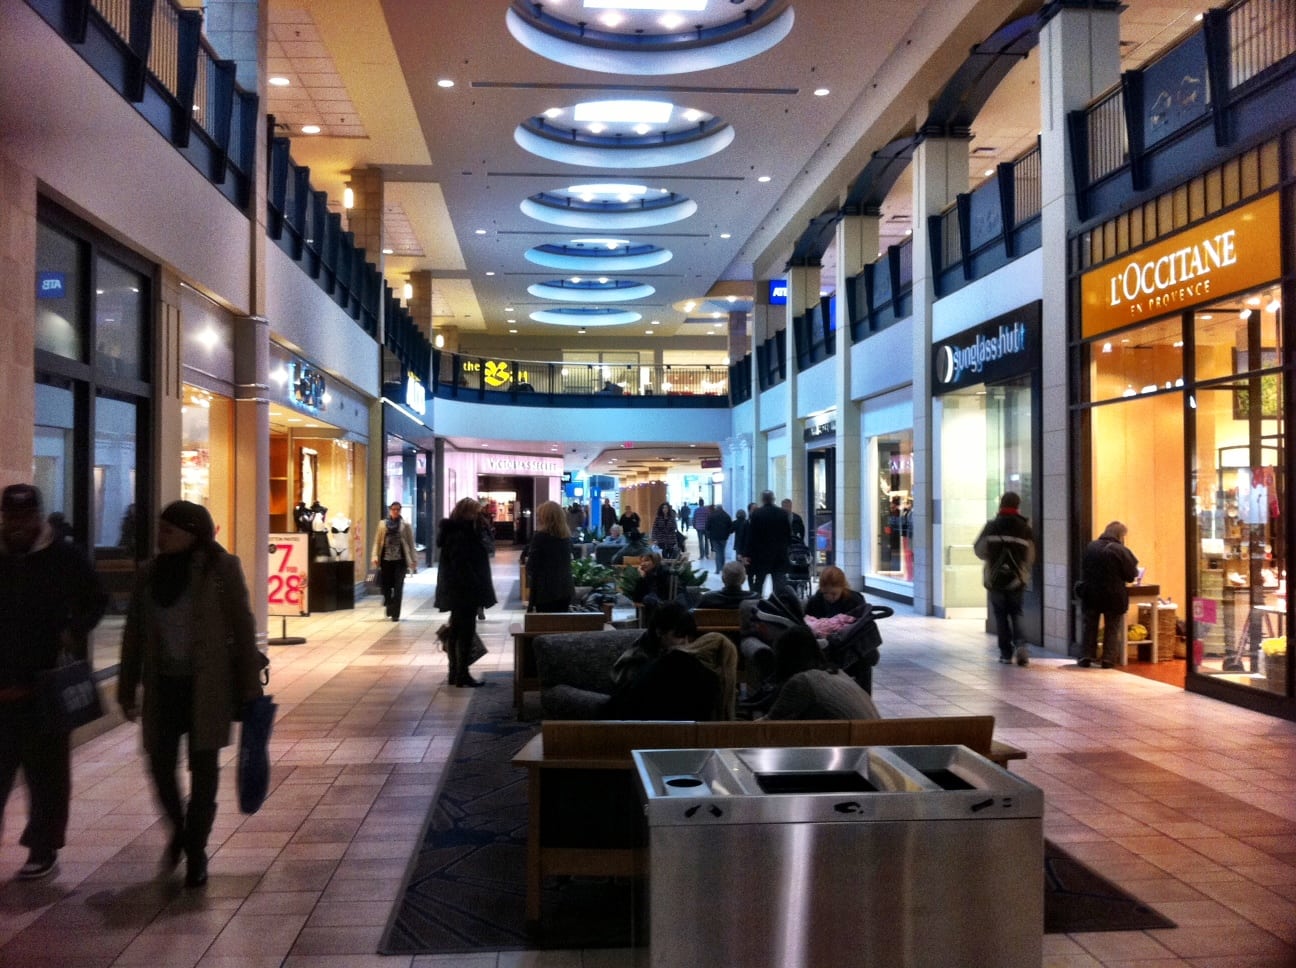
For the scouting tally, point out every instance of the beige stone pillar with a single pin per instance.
(17, 317)
(803, 293)
(252, 450)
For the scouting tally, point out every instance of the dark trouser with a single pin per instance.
(554, 605)
(1112, 623)
(704, 544)
(463, 626)
(46, 764)
(758, 580)
(175, 718)
(393, 585)
(718, 549)
(1007, 609)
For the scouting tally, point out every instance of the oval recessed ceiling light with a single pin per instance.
(445, 82)
(821, 92)
(479, 231)
(278, 81)
(310, 129)
(608, 206)
(624, 134)
(650, 38)
(593, 316)
(590, 290)
(726, 235)
(763, 178)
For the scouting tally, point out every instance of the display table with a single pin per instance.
(1137, 594)
(331, 586)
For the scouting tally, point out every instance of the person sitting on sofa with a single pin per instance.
(634, 547)
(670, 673)
(732, 594)
(811, 688)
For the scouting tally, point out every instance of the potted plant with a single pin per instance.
(587, 575)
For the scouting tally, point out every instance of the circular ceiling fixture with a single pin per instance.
(608, 206)
(591, 290)
(586, 316)
(598, 255)
(644, 39)
(624, 134)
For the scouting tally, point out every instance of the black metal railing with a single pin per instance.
(1107, 138)
(1261, 34)
(579, 383)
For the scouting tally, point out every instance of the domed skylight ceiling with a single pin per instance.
(649, 37)
(598, 255)
(591, 290)
(608, 206)
(624, 134)
(592, 316)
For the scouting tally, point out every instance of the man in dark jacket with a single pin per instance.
(1007, 546)
(50, 599)
(718, 527)
(769, 532)
(1105, 569)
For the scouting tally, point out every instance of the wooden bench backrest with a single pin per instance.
(614, 739)
(631, 560)
(563, 621)
(715, 618)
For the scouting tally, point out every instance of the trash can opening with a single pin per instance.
(826, 781)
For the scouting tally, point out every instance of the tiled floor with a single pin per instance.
(1187, 802)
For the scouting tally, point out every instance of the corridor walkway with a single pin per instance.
(1186, 802)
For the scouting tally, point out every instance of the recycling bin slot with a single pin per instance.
(834, 781)
(947, 780)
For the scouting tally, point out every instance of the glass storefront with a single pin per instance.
(891, 457)
(1199, 388)
(207, 455)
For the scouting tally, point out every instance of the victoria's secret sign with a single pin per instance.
(1227, 254)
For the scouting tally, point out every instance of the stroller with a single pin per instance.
(800, 569)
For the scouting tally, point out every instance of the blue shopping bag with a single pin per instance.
(254, 753)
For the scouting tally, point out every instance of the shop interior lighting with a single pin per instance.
(409, 291)
(1274, 306)
(348, 198)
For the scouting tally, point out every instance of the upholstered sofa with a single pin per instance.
(575, 670)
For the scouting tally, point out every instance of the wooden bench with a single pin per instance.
(584, 826)
(525, 675)
(723, 620)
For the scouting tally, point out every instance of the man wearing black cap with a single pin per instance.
(50, 599)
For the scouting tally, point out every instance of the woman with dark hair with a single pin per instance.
(548, 561)
(463, 584)
(812, 688)
(665, 531)
(190, 641)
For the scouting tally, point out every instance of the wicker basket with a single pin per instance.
(1165, 632)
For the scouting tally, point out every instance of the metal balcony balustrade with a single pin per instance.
(570, 384)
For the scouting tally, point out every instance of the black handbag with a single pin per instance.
(68, 696)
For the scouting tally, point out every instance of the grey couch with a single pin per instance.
(576, 671)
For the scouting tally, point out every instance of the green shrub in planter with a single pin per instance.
(587, 572)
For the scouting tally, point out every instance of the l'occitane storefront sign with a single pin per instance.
(1236, 251)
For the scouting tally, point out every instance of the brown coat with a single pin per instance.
(227, 663)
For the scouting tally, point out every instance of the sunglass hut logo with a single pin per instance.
(953, 360)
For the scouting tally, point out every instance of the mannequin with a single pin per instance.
(319, 543)
(339, 539)
(303, 516)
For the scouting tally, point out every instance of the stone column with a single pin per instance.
(760, 331)
(168, 393)
(364, 218)
(803, 292)
(17, 317)
(940, 172)
(1079, 59)
(857, 240)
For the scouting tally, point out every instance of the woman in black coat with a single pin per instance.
(548, 561)
(463, 584)
(1105, 569)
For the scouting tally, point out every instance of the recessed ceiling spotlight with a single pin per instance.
(479, 231)
(988, 172)
(278, 82)
(553, 113)
(490, 272)
(907, 232)
(597, 128)
(726, 235)
(648, 332)
(623, 112)
(670, 21)
(731, 298)
(580, 332)
(512, 330)
(611, 20)
(310, 129)
(508, 309)
(445, 82)
(763, 178)
(642, 129)
(692, 115)
(389, 251)
(655, 322)
(821, 92)
(510, 320)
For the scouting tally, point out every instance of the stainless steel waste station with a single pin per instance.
(890, 856)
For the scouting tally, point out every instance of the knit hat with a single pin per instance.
(192, 518)
(20, 499)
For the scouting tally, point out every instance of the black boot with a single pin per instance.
(461, 664)
(198, 824)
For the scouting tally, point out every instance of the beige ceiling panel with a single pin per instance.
(425, 207)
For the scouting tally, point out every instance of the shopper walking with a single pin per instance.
(393, 555)
(190, 643)
(718, 528)
(463, 584)
(50, 599)
(769, 533)
(1105, 569)
(1007, 546)
(548, 561)
(700, 525)
(665, 531)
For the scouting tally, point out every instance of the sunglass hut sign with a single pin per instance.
(1003, 347)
